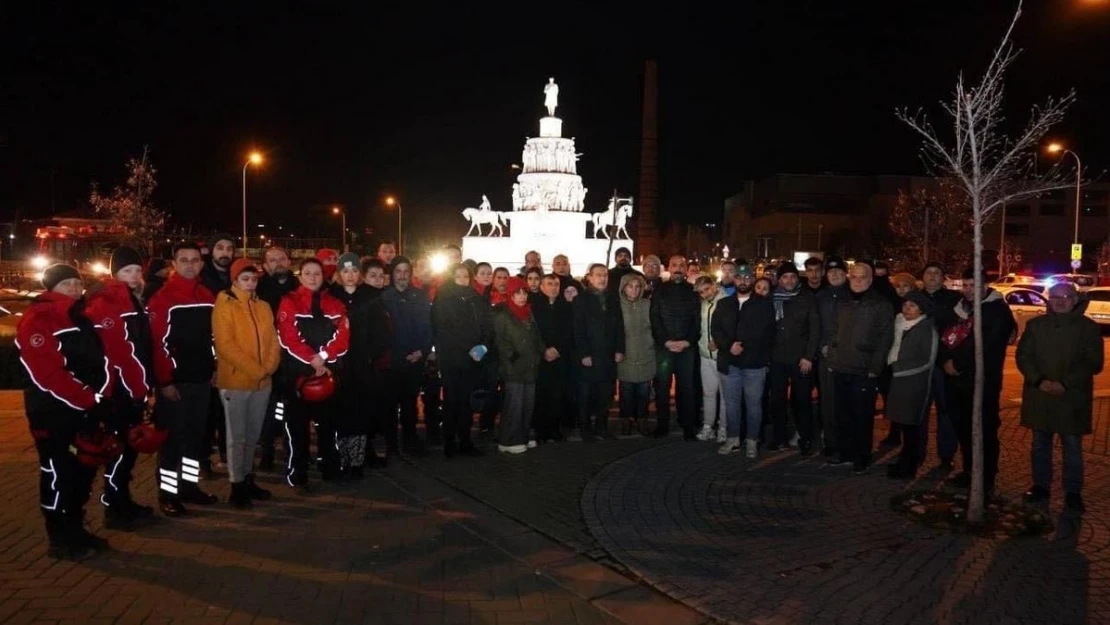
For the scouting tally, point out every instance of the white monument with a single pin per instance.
(548, 202)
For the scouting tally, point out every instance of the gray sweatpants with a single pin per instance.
(245, 412)
(516, 413)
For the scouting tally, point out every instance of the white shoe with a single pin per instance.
(750, 448)
(794, 441)
(722, 435)
(512, 449)
(730, 445)
(705, 434)
(531, 444)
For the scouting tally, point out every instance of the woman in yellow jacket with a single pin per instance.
(247, 354)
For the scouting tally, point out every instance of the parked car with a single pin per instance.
(1024, 303)
(1098, 304)
(1081, 281)
(1014, 280)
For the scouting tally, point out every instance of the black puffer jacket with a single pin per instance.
(599, 334)
(864, 333)
(460, 320)
(828, 299)
(798, 332)
(998, 329)
(752, 325)
(675, 310)
(370, 336)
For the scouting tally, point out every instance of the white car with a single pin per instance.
(1081, 281)
(1098, 304)
(1013, 280)
(1025, 303)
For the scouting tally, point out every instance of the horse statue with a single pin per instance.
(616, 216)
(479, 216)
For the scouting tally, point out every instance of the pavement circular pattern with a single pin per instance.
(784, 539)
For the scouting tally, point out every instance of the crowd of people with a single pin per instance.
(235, 355)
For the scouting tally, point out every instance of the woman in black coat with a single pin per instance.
(555, 319)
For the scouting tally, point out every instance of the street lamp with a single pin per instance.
(335, 210)
(1056, 148)
(255, 158)
(392, 201)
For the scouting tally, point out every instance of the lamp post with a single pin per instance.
(1056, 148)
(392, 201)
(335, 210)
(256, 159)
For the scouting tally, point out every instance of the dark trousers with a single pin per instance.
(947, 441)
(593, 405)
(569, 416)
(910, 457)
(430, 398)
(401, 393)
(490, 383)
(959, 405)
(634, 397)
(64, 483)
(682, 366)
(458, 413)
(186, 421)
(272, 427)
(296, 417)
(551, 399)
(215, 431)
(788, 379)
(855, 416)
(117, 474)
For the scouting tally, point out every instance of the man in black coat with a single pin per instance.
(957, 358)
(797, 334)
(828, 300)
(461, 330)
(743, 329)
(675, 326)
(860, 343)
(944, 304)
(273, 286)
(598, 346)
(555, 321)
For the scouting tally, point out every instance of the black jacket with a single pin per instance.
(863, 331)
(828, 299)
(181, 328)
(675, 310)
(998, 329)
(271, 291)
(615, 275)
(565, 282)
(599, 334)
(944, 304)
(798, 332)
(460, 320)
(556, 324)
(369, 327)
(752, 325)
(214, 279)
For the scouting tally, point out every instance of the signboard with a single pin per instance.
(1076, 252)
(800, 258)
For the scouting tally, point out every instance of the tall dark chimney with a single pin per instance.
(647, 229)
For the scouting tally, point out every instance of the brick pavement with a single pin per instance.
(398, 547)
(784, 540)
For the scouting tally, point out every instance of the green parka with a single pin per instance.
(519, 347)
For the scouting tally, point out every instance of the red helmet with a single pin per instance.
(316, 388)
(146, 439)
(97, 448)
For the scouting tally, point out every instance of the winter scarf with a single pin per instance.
(522, 313)
(901, 326)
(781, 296)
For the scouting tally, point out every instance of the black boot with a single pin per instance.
(172, 507)
(62, 545)
(81, 536)
(239, 497)
(254, 491)
(193, 494)
(267, 461)
(118, 516)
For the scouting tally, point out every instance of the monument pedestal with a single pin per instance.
(548, 232)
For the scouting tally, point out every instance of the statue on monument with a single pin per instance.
(484, 206)
(551, 96)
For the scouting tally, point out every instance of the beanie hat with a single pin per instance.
(216, 238)
(923, 301)
(622, 250)
(243, 264)
(54, 274)
(349, 260)
(516, 284)
(835, 262)
(787, 267)
(124, 257)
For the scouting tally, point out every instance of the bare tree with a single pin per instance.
(993, 169)
(129, 207)
(929, 224)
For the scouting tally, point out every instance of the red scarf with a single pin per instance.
(522, 313)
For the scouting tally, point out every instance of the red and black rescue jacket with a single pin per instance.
(311, 323)
(181, 326)
(63, 357)
(124, 330)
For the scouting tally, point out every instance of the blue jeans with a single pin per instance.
(634, 398)
(743, 389)
(947, 441)
(1073, 460)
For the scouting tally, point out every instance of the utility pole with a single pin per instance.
(925, 247)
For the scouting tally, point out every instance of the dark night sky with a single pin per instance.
(349, 104)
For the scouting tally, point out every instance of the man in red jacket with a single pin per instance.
(124, 328)
(181, 326)
(68, 391)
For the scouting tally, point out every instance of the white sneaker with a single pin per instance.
(750, 449)
(722, 435)
(512, 449)
(705, 434)
(531, 444)
(730, 445)
(794, 441)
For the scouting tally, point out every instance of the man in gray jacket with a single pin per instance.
(864, 332)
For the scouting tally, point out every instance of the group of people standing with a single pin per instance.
(243, 353)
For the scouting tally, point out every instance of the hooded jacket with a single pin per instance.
(123, 325)
(65, 361)
(311, 323)
(181, 327)
(639, 347)
(247, 351)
